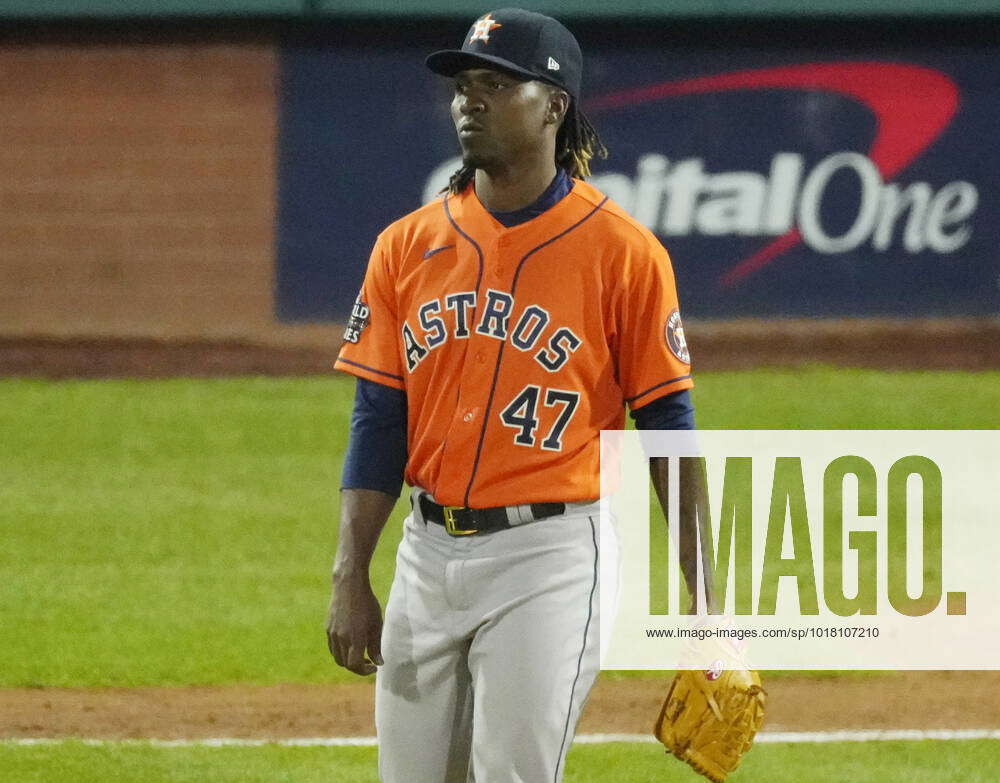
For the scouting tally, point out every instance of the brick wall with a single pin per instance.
(137, 191)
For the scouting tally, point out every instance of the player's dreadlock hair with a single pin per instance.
(577, 143)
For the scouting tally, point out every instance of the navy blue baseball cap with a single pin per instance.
(520, 42)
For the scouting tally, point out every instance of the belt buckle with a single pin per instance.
(449, 522)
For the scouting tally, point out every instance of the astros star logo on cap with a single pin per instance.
(482, 28)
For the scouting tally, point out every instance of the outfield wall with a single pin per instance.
(182, 182)
(138, 189)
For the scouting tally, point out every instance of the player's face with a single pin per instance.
(498, 117)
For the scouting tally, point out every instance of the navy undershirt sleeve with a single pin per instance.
(376, 449)
(669, 412)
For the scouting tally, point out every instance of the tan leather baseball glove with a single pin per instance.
(710, 716)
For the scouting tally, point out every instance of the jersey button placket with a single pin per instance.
(497, 257)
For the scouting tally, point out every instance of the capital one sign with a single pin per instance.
(821, 186)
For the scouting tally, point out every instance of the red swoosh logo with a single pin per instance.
(912, 107)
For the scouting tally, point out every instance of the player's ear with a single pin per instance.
(558, 106)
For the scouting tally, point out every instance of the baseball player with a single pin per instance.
(499, 329)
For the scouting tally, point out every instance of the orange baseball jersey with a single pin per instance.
(516, 346)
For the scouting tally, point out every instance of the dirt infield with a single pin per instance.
(969, 344)
(142, 358)
(912, 700)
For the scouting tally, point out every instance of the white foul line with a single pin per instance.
(766, 737)
(801, 737)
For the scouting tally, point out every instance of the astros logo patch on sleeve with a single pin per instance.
(675, 337)
(358, 321)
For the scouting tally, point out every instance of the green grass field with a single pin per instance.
(181, 532)
(877, 762)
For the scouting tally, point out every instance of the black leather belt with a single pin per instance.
(461, 521)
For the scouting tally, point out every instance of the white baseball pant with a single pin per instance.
(490, 646)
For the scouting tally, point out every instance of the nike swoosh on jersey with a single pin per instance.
(435, 251)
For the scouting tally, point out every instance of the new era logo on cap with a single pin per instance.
(553, 65)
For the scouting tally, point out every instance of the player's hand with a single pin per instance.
(354, 625)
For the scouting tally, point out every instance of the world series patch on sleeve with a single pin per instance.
(358, 321)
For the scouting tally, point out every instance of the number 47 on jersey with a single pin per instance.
(522, 415)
